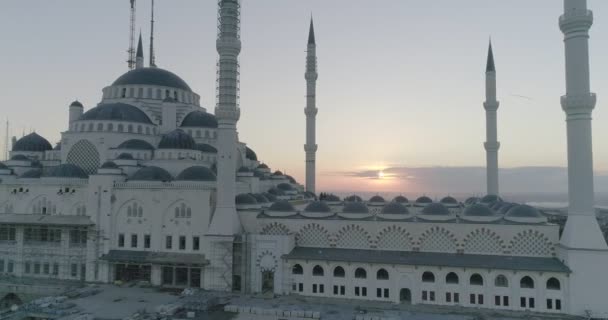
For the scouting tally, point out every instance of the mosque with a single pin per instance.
(150, 186)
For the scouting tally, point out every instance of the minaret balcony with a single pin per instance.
(575, 21)
(580, 104)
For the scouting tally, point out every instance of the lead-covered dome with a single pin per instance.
(317, 206)
(250, 154)
(353, 198)
(135, 144)
(478, 210)
(285, 187)
(401, 199)
(177, 139)
(490, 198)
(523, 211)
(32, 142)
(394, 208)
(151, 173)
(260, 198)
(376, 199)
(282, 205)
(66, 170)
(152, 76)
(449, 200)
(199, 118)
(355, 207)
(116, 111)
(197, 173)
(245, 199)
(436, 209)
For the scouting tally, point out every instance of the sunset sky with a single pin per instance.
(400, 88)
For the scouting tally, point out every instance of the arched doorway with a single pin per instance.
(267, 281)
(405, 296)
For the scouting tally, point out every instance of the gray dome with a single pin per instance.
(355, 207)
(116, 111)
(197, 173)
(282, 205)
(32, 142)
(290, 178)
(152, 76)
(263, 166)
(76, 103)
(497, 205)
(277, 173)
(523, 211)
(401, 199)
(151, 173)
(250, 154)
(260, 198)
(109, 165)
(245, 198)
(271, 197)
(33, 173)
(478, 210)
(199, 118)
(276, 192)
(424, 199)
(203, 147)
(135, 144)
(394, 208)
(66, 170)
(285, 187)
(449, 200)
(125, 156)
(317, 206)
(244, 170)
(471, 200)
(353, 198)
(436, 209)
(376, 198)
(177, 139)
(20, 157)
(506, 207)
(490, 198)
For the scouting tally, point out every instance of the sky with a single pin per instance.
(400, 87)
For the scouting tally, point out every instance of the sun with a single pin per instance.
(381, 174)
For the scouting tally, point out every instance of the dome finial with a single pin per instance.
(490, 63)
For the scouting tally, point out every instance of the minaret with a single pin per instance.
(491, 145)
(582, 245)
(310, 111)
(139, 59)
(152, 57)
(228, 44)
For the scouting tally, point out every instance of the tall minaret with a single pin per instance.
(491, 145)
(225, 220)
(311, 110)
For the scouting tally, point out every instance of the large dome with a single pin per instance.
(151, 174)
(250, 154)
(317, 206)
(32, 142)
(152, 76)
(478, 210)
(355, 207)
(67, 170)
(197, 173)
(135, 144)
(116, 111)
(199, 118)
(177, 139)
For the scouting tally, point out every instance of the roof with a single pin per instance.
(125, 156)
(177, 139)
(116, 111)
(317, 206)
(436, 209)
(284, 186)
(32, 174)
(199, 118)
(109, 165)
(45, 219)
(401, 199)
(449, 200)
(395, 208)
(424, 199)
(250, 154)
(151, 174)
(311, 33)
(282, 205)
(154, 257)
(355, 207)
(376, 198)
(76, 103)
(454, 260)
(152, 76)
(66, 170)
(197, 173)
(490, 63)
(140, 51)
(245, 198)
(478, 210)
(32, 142)
(136, 144)
(523, 211)
(203, 147)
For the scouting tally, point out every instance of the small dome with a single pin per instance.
(196, 173)
(394, 208)
(244, 170)
(436, 209)
(67, 170)
(376, 198)
(199, 118)
(57, 146)
(76, 103)
(32, 142)
(276, 192)
(277, 173)
(32, 174)
(401, 199)
(118, 112)
(260, 198)
(152, 76)
(271, 197)
(478, 210)
(490, 199)
(151, 173)
(285, 187)
(244, 199)
(203, 147)
(125, 156)
(135, 144)
(331, 197)
(506, 207)
(177, 139)
(317, 206)
(20, 157)
(497, 205)
(282, 205)
(291, 179)
(424, 199)
(109, 165)
(353, 198)
(250, 154)
(523, 211)
(263, 166)
(355, 207)
(449, 200)
(471, 200)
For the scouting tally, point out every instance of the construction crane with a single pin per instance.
(131, 51)
(152, 58)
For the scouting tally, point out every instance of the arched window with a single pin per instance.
(451, 278)
(139, 129)
(553, 284)
(339, 272)
(501, 281)
(317, 271)
(428, 277)
(297, 269)
(175, 95)
(476, 280)
(110, 127)
(130, 128)
(158, 93)
(382, 274)
(167, 93)
(360, 273)
(121, 128)
(124, 92)
(526, 282)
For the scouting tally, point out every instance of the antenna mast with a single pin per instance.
(6, 142)
(131, 51)
(152, 58)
